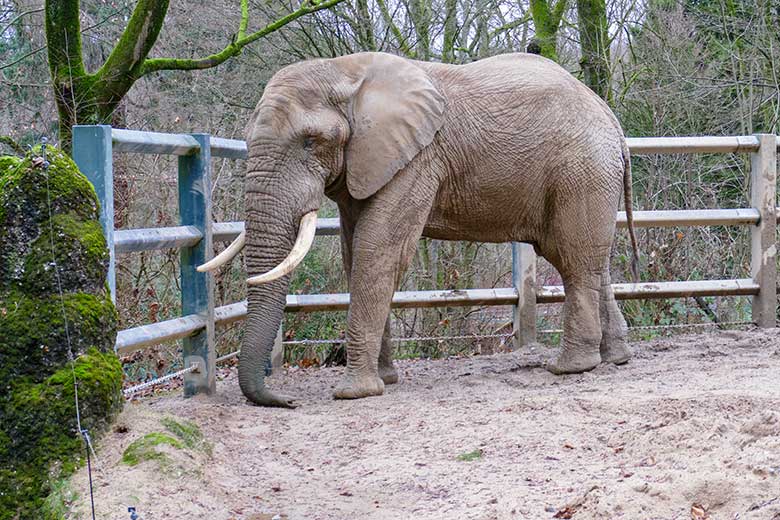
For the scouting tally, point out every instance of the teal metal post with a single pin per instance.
(196, 288)
(92, 154)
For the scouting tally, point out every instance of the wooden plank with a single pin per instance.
(93, 154)
(133, 141)
(197, 288)
(524, 282)
(151, 239)
(692, 144)
(763, 241)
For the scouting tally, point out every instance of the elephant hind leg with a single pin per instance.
(581, 327)
(613, 326)
(387, 371)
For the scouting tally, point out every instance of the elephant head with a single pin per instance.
(346, 126)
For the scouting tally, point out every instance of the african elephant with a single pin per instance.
(509, 148)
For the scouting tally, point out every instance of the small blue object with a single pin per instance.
(133, 516)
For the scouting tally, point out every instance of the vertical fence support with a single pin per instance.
(524, 281)
(196, 288)
(763, 258)
(92, 149)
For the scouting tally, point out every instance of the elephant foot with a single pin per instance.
(615, 352)
(388, 375)
(574, 362)
(265, 397)
(357, 386)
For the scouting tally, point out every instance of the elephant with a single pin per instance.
(508, 148)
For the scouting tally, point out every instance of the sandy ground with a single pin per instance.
(689, 429)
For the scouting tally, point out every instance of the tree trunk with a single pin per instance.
(547, 21)
(594, 45)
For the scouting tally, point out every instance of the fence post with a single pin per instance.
(763, 251)
(524, 281)
(92, 153)
(197, 288)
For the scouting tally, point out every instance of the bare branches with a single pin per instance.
(234, 48)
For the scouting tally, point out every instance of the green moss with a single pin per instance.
(470, 456)
(39, 441)
(39, 421)
(29, 195)
(34, 338)
(79, 253)
(189, 434)
(7, 163)
(145, 448)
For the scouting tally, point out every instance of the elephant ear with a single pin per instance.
(396, 112)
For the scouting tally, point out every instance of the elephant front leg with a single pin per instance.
(581, 328)
(387, 371)
(379, 259)
(368, 310)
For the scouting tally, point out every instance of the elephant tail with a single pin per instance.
(627, 193)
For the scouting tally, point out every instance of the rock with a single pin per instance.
(53, 304)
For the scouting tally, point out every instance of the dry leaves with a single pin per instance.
(566, 512)
(699, 512)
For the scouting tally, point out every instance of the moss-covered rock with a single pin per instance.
(39, 424)
(53, 304)
(34, 336)
(30, 195)
(7, 162)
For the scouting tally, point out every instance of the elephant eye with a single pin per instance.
(308, 143)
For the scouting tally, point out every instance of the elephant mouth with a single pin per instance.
(306, 231)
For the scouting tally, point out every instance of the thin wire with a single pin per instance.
(84, 433)
(59, 284)
(89, 472)
(339, 341)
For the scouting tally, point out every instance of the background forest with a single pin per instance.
(667, 67)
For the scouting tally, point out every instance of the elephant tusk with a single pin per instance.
(226, 255)
(306, 231)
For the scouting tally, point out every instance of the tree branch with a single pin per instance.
(18, 17)
(402, 45)
(125, 63)
(234, 48)
(242, 25)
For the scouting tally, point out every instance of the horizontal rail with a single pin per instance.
(661, 290)
(137, 338)
(693, 144)
(228, 148)
(155, 333)
(134, 141)
(227, 231)
(692, 217)
(134, 240)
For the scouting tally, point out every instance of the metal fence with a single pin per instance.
(94, 146)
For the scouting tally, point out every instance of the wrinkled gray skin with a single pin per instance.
(510, 148)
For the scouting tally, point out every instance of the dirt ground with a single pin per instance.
(690, 428)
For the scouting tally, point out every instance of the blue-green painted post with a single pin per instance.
(92, 154)
(196, 288)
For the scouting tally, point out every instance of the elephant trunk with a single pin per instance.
(265, 311)
(271, 228)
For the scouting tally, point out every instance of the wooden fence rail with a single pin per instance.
(93, 148)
